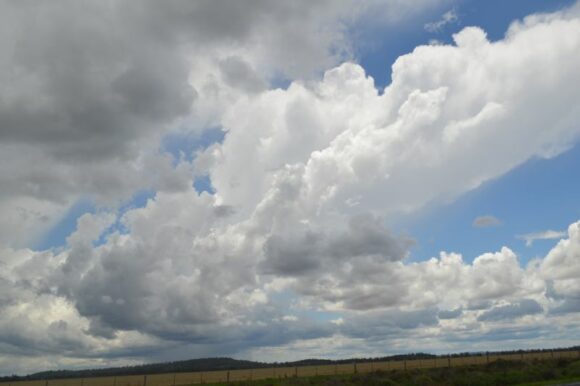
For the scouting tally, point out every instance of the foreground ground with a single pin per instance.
(500, 373)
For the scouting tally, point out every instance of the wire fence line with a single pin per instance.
(226, 376)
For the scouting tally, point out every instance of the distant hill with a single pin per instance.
(191, 365)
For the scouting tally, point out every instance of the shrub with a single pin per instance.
(423, 380)
(548, 374)
(573, 369)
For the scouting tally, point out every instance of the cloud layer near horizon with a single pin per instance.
(304, 182)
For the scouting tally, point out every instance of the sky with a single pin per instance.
(285, 180)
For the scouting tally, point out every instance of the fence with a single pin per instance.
(226, 376)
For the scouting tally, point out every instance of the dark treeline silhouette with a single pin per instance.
(215, 364)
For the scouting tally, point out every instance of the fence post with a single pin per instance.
(487, 357)
(449, 361)
(405, 364)
(296, 371)
(227, 377)
(174, 378)
(355, 369)
(335, 369)
(144, 380)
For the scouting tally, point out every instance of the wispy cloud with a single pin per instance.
(486, 221)
(529, 238)
(448, 17)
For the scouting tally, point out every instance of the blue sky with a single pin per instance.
(542, 194)
(494, 16)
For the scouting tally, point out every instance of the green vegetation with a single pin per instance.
(500, 373)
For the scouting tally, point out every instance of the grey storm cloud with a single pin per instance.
(240, 74)
(568, 306)
(492, 336)
(511, 311)
(366, 236)
(450, 314)
(381, 324)
(293, 256)
(84, 90)
(320, 260)
(478, 305)
(176, 294)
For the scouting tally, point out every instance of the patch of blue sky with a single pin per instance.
(495, 16)
(56, 237)
(138, 200)
(279, 81)
(203, 184)
(379, 46)
(183, 145)
(540, 195)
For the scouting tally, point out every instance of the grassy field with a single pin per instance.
(499, 373)
(474, 370)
